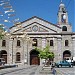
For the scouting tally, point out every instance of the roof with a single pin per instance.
(37, 18)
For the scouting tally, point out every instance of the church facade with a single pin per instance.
(18, 46)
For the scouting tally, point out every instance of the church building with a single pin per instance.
(18, 46)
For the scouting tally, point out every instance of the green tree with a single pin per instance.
(1, 31)
(46, 54)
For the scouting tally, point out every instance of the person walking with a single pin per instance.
(54, 71)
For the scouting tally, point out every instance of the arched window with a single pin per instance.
(63, 9)
(18, 42)
(18, 56)
(4, 43)
(51, 42)
(64, 28)
(34, 42)
(66, 42)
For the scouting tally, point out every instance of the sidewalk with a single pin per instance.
(41, 71)
(9, 70)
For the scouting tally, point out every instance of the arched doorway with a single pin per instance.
(34, 59)
(3, 54)
(66, 55)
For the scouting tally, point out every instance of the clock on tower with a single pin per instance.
(63, 18)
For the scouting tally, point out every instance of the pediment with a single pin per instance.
(38, 29)
(34, 25)
(35, 28)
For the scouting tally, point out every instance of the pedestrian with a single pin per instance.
(54, 71)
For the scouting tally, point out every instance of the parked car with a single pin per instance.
(2, 61)
(63, 63)
(71, 61)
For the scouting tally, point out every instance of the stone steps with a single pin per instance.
(46, 70)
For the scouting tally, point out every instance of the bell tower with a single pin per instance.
(63, 19)
(62, 14)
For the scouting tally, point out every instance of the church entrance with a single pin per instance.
(3, 54)
(34, 59)
(66, 55)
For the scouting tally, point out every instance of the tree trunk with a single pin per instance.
(47, 62)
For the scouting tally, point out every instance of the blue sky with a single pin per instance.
(45, 9)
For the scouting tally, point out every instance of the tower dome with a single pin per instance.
(61, 5)
(62, 14)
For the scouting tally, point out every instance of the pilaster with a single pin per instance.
(73, 41)
(59, 49)
(10, 55)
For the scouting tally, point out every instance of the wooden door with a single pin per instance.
(35, 60)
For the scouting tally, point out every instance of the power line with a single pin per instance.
(68, 4)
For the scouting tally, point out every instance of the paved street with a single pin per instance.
(21, 70)
(66, 71)
(35, 70)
